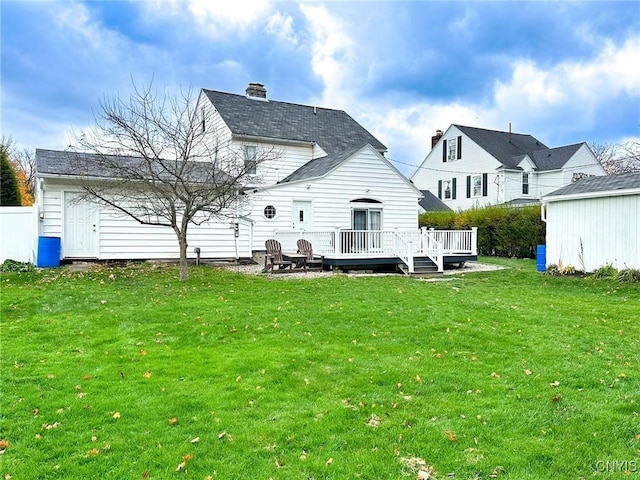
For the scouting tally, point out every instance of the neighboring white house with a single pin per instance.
(331, 173)
(469, 167)
(594, 222)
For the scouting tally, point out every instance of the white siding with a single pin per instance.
(501, 187)
(288, 158)
(583, 161)
(366, 175)
(607, 227)
(547, 182)
(122, 238)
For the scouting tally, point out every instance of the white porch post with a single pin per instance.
(474, 240)
(338, 242)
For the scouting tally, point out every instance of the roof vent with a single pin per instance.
(257, 91)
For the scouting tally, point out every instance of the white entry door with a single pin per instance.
(301, 216)
(80, 227)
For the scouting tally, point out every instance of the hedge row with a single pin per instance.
(502, 231)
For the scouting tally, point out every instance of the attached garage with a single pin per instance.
(594, 222)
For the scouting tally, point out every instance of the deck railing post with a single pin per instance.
(338, 243)
(474, 240)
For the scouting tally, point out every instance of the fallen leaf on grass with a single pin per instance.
(279, 463)
(94, 451)
(143, 352)
(222, 435)
(46, 426)
(145, 474)
(495, 375)
(329, 461)
(374, 421)
(116, 415)
(183, 464)
(173, 421)
(419, 467)
(554, 384)
(147, 374)
(86, 377)
(4, 444)
(527, 371)
(557, 398)
(195, 440)
(451, 436)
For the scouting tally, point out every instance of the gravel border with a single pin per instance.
(257, 269)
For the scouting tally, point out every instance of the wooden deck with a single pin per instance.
(415, 251)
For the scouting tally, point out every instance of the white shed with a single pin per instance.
(594, 222)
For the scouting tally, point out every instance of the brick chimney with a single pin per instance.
(436, 137)
(256, 90)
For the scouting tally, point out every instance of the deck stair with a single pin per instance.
(422, 266)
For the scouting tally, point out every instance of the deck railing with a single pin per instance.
(457, 242)
(404, 244)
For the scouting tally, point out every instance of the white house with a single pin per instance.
(470, 167)
(594, 222)
(330, 174)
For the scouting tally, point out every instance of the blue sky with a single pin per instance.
(565, 72)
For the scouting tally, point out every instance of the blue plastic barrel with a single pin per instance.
(541, 258)
(48, 252)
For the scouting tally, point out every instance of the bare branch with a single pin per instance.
(147, 157)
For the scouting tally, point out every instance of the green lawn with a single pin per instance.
(128, 373)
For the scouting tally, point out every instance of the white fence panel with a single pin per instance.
(18, 233)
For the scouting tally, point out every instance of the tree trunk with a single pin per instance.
(184, 266)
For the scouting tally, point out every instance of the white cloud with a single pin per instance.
(537, 95)
(566, 96)
(281, 26)
(333, 52)
(215, 18)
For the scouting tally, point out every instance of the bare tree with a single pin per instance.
(617, 159)
(151, 159)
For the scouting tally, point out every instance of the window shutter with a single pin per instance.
(440, 189)
(484, 184)
(459, 147)
(453, 188)
(468, 186)
(444, 150)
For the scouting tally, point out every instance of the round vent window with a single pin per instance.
(269, 211)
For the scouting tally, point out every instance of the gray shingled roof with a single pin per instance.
(602, 183)
(510, 148)
(69, 163)
(507, 148)
(59, 162)
(431, 203)
(554, 158)
(319, 166)
(332, 130)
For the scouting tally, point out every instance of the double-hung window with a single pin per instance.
(447, 189)
(476, 182)
(452, 149)
(250, 156)
(525, 183)
(477, 185)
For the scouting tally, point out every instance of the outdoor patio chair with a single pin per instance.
(273, 258)
(313, 262)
